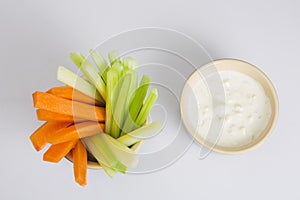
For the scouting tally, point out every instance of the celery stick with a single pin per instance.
(71, 79)
(119, 104)
(98, 154)
(101, 148)
(118, 67)
(126, 87)
(77, 58)
(141, 133)
(114, 57)
(87, 80)
(122, 168)
(130, 63)
(108, 170)
(123, 154)
(100, 63)
(88, 70)
(142, 117)
(112, 78)
(136, 104)
(132, 89)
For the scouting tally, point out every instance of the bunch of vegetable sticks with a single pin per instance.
(101, 114)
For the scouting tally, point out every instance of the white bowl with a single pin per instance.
(247, 69)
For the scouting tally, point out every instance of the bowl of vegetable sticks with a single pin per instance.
(97, 120)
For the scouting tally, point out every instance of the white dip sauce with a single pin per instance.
(242, 109)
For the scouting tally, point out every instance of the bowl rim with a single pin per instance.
(266, 133)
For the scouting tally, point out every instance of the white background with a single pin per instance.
(37, 36)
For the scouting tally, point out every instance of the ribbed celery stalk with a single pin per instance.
(130, 63)
(142, 117)
(112, 78)
(136, 104)
(103, 155)
(141, 133)
(71, 79)
(89, 71)
(119, 68)
(120, 102)
(77, 58)
(114, 57)
(123, 154)
(100, 63)
(122, 168)
(110, 153)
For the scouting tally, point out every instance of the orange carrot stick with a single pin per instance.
(67, 92)
(38, 138)
(56, 104)
(76, 132)
(80, 163)
(46, 115)
(57, 151)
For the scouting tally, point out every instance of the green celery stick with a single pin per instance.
(102, 150)
(110, 171)
(119, 68)
(136, 104)
(71, 79)
(146, 108)
(98, 153)
(132, 89)
(141, 133)
(77, 58)
(114, 57)
(123, 154)
(87, 80)
(130, 63)
(100, 63)
(122, 168)
(119, 104)
(88, 70)
(102, 146)
(112, 78)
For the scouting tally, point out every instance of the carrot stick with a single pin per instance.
(46, 115)
(80, 163)
(56, 104)
(76, 132)
(68, 92)
(57, 151)
(38, 138)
